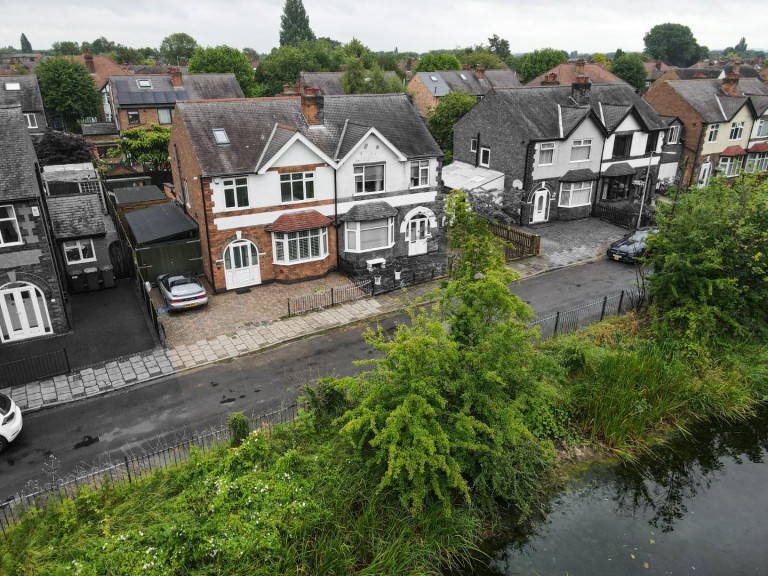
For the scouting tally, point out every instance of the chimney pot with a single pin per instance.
(580, 90)
(580, 63)
(730, 84)
(176, 78)
(480, 72)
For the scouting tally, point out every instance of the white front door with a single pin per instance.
(540, 205)
(704, 172)
(23, 313)
(418, 232)
(241, 264)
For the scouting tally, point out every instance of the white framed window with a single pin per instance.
(165, 115)
(485, 157)
(301, 246)
(581, 150)
(369, 178)
(13, 86)
(473, 145)
(220, 136)
(730, 165)
(714, 129)
(297, 186)
(89, 187)
(370, 235)
(762, 128)
(144, 83)
(133, 117)
(76, 251)
(573, 194)
(419, 173)
(546, 153)
(9, 227)
(737, 130)
(236, 193)
(185, 193)
(673, 136)
(31, 120)
(23, 312)
(757, 161)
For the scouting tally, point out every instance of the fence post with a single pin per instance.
(333, 300)
(127, 468)
(602, 312)
(289, 307)
(557, 321)
(621, 301)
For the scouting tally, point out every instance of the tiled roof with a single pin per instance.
(162, 92)
(104, 68)
(17, 156)
(329, 83)
(296, 221)
(369, 211)
(759, 147)
(709, 100)
(76, 215)
(99, 129)
(440, 82)
(581, 175)
(620, 169)
(29, 96)
(566, 75)
(133, 194)
(734, 151)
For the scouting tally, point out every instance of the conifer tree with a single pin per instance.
(294, 24)
(26, 46)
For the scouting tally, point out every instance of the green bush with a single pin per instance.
(239, 428)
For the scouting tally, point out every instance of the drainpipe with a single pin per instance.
(336, 224)
(477, 152)
(207, 235)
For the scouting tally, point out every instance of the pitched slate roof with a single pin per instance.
(158, 223)
(17, 156)
(329, 83)
(697, 73)
(99, 129)
(29, 96)
(211, 86)
(567, 73)
(163, 93)
(76, 216)
(363, 212)
(709, 100)
(133, 194)
(440, 82)
(302, 220)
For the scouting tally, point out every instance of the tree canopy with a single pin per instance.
(294, 24)
(68, 90)
(437, 61)
(223, 59)
(631, 69)
(283, 66)
(537, 62)
(65, 48)
(55, 147)
(26, 46)
(672, 43)
(481, 57)
(441, 120)
(99, 46)
(146, 146)
(499, 46)
(177, 48)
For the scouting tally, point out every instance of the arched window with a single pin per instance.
(23, 312)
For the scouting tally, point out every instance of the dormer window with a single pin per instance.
(220, 135)
(144, 83)
(15, 86)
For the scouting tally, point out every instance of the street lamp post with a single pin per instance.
(645, 187)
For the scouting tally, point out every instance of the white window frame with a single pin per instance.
(137, 116)
(144, 83)
(39, 307)
(575, 187)
(89, 187)
(674, 135)
(185, 193)
(301, 178)
(729, 166)
(31, 120)
(714, 130)
(14, 223)
(361, 178)
(737, 131)
(169, 111)
(354, 231)
(546, 147)
(581, 144)
(220, 136)
(762, 128)
(757, 161)
(421, 168)
(13, 86)
(485, 151)
(300, 242)
(80, 245)
(473, 145)
(235, 185)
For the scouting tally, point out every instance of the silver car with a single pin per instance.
(182, 291)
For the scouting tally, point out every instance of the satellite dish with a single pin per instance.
(517, 185)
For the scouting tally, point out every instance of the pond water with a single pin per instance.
(699, 507)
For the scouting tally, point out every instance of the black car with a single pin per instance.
(631, 246)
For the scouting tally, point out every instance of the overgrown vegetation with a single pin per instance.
(402, 468)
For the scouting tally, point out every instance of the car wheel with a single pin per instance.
(3, 443)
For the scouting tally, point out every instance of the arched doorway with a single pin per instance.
(416, 226)
(241, 264)
(23, 312)
(704, 173)
(540, 203)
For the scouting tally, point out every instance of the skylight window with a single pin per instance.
(433, 78)
(220, 135)
(463, 77)
(144, 83)
(13, 86)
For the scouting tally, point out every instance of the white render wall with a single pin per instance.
(561, 161)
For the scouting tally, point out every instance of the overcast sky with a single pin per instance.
(410, 25)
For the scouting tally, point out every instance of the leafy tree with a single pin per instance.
(146, 146)
(251, 54)
(177, 48)
(65, 48)
(99, 46)
(482, 57)
(499, 46)
(294, 24)
(618, 54)
(283, 66)
(539, 61)
(740, 48)
(26, 46)
(223, 59)
(68, 90)
(631, 69)
(358, 80)
(437, 61)
(61, 148)
(441, 120)
(599, 58)
(672, 43)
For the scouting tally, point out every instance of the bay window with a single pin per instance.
(294, 247)
(370, 235)
(574, 194)
(757, 161)
(730, 165)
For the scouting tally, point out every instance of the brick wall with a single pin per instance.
(423, 99)
(146, 116)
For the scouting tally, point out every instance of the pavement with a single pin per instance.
(191, 345)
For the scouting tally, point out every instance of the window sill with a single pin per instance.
(299, 262)
(10, 244)
(387, 247)
(422, 187)
(579, 161)
(74, 262)
(576, 206)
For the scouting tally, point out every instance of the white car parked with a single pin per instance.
(10, 421)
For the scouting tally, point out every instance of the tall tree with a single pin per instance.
(481, 57)
(177, 48)
(630, 68)
(539, 61)
(672, 43)
(294, 24)
(68, 90)
(499, 46)
(26, 46)
(441, 120)
(740, 48)
(99, 46)
(283, 66)
(65, 48)
(437, 61)
(224, 59)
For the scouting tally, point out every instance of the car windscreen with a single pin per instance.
(5, 404)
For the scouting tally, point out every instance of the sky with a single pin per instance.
(587, 26)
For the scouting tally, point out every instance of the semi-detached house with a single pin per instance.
(290, 188)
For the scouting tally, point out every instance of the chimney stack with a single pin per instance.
(658, 64)
(730, 84)
(311, 103)
(176, 78)
(88, 57)
(737, 67)
(580, 67)
(465, 67)
(550, 79)
(480, 72)
(580, 90)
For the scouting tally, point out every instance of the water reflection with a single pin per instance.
(697, 507)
